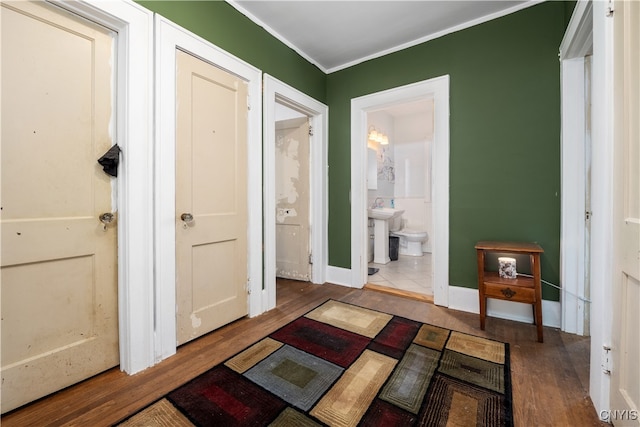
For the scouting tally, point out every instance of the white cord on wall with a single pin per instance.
(558, 287)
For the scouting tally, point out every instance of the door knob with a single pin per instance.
(106, 219)
(186, 217)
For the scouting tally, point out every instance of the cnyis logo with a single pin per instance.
(610, 415)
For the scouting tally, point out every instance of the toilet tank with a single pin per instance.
(395, 223)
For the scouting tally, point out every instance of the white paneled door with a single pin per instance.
(211, 197)
(625, 371)
(59, 261)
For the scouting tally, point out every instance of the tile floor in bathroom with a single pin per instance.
(408, 273)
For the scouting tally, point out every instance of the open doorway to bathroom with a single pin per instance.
(437, 90)
(399, 143)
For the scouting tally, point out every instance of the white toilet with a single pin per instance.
(410, 240)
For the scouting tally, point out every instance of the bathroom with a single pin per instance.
(400, 177)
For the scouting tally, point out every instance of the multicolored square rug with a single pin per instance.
(344, 365)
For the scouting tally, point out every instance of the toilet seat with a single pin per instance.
(409, 232)
(411, 241)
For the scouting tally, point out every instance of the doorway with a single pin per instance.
(438, 90)
(173, 38)
(277, 94)
(403, 182)
(577, 186)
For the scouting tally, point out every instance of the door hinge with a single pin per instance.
(248, 286)
(310, 130)
(310, 258)
(587, 215)
(606, 359)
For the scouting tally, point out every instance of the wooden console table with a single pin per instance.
(521, 289)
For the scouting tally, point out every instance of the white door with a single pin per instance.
(625, 372)
(59, 271)
(211, 197)
(293, 259)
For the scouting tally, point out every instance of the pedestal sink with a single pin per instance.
(381, 217)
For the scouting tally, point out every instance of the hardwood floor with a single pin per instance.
(549, 380)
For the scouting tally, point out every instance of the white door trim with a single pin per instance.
(170, 37)
(277, 91)
(577, 43)
(134, 110)
(437, 89)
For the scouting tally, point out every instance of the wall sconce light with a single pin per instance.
(376, 136)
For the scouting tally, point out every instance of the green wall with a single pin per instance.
(505, 120)
(225, 27)
(505, 134)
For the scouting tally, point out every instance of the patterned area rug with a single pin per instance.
(344, 365)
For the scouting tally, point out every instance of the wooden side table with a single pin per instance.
(521, 289)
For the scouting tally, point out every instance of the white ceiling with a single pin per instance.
(336, 34)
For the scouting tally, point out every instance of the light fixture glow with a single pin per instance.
(378, 137)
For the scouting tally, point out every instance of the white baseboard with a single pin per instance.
(466, 299)
(339, 276)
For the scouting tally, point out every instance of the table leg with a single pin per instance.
(535, 263)
(483, 309)
(538, 319)
(483, 299)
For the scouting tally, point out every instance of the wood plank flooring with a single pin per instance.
(549, 380)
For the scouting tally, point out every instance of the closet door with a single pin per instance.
(59, 261)
(211, 197)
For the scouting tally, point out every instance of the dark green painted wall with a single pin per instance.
(225, 27)
(505, 134)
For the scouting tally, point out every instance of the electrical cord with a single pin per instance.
(559, 288)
